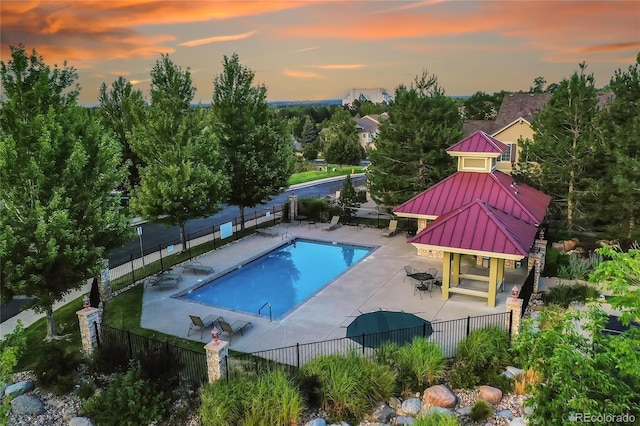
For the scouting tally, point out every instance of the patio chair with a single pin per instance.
(409, 270)
(422, 288)
(333, 224)
(196, 267)
(393, 228)
(433, 272)
(202, 323)
(234, 328)
(162, 280)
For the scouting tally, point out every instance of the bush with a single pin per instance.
(563, 295)
(86, 389)
(481, 357)
(350, 386)
(420, 364)
(11, 349)
(269, 399)
(480, 411)
(554, 259)
(56, 368)
(130, 399)
(436, 418)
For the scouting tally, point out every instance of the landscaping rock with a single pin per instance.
(404, 420)
(515, 371)
(441, 396)
(465, 411)
(81, 421)
(382, 413)
(395, 403)
(490, 394)
(528, 410)
(27, 405)
(411, 406)
(19, 388)
(316, 422)
(518, 421)
(504, 413)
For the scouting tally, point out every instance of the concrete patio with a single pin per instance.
(374, 283)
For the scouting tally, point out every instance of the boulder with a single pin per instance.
(404, 420)
(395, 403)
(441, 396)
(81, 421)
(518, 421)
(340, 424)
(411, 406)
(27, 405)
(504, 413)
(465, 411)
(382, 413)
(515, 371)
(441, 410)
(490, 394)
(316, 422)
(19, 388)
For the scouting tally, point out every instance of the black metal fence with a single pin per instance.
(189, 366)
(447, 334)
(527, 290)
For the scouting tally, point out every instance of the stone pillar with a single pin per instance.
(88, 318)
(104, 282)
(293, 206)
(216, 359)
(514, 305)
(537, 271)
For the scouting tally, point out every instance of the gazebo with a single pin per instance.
(477, 211)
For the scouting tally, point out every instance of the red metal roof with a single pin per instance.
(479, 142)
(479, 227)
(497, 189)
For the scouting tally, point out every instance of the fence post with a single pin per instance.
(424, 329)
(88, 319)
(130, 344)
(298, 355)
(133, 270)
(510, 323)
(514, 306)
(363, 335)
(468, 325)
(160, 251)
(213, 235)
(217, 362)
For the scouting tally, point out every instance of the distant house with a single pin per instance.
(376, 96)
(367, 128)
(513, 123)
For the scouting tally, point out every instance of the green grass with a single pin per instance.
(312, 175)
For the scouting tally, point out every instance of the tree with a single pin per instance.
(310, 151)
(538, 85)
(617, 199)
(559, 160)
(253, 139)
(121, 110)
(183, 175)
(481, 106)
(309, 132)
(348, 197)
(340, 140)
(410, 150)
(59, 217)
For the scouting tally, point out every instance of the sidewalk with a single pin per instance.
(29, 316)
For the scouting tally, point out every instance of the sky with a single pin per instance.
(313, 50)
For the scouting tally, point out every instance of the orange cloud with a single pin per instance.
(301, 74)
(218, 39)
(338, 66)
(634, 45)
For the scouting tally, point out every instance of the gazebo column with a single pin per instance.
(493, 281)
(500, 277)
(446, 274)
(455, 276)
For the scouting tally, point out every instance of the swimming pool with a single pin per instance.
(284, 277)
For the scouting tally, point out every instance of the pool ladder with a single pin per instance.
(285, 235)
(263, 306)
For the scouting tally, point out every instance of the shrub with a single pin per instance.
(420, 363)
(350, 385)
(480, 411)
(11, 349)
(436, 418)
(481, 357)
(130, 399)
(563, 295)
(86, 389)
(577, 269)
(269, 399)
(554, 258)
(526, 381)
(111, 357)
(56, 368)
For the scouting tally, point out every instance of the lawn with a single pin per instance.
(312, 175)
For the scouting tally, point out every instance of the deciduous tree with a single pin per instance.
(58, 215)
(410, 150)
(340, 140)
(254, 141)
(183, 175)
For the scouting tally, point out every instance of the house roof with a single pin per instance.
(479, 142)
(479, 227)
(517, 105)
(495, 188)
(471, 126)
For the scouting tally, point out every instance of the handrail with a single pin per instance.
(266, 304)
(287, 234)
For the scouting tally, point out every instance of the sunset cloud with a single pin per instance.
(632, 45)
(301, 74)
(338, 66)
(218, 39)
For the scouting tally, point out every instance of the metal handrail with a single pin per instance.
(270, 314)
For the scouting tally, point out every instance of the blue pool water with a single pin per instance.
(285, 277)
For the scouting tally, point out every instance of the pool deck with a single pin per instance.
(374, 283)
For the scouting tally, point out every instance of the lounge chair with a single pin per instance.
(162, 280)
(393, 228)
(232, 329)
(196, 267)
(202, 323)
(333, 224)
(266, 232)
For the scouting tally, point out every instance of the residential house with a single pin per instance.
(367, 128)
(376, 96)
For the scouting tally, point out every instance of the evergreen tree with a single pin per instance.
(617, 199)
(348, 197)
(309, 132)
(340, 140)
(254, 140)
(121, 110)
(410, 150)
(560, 159)
(183, 174)
(58, 216)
